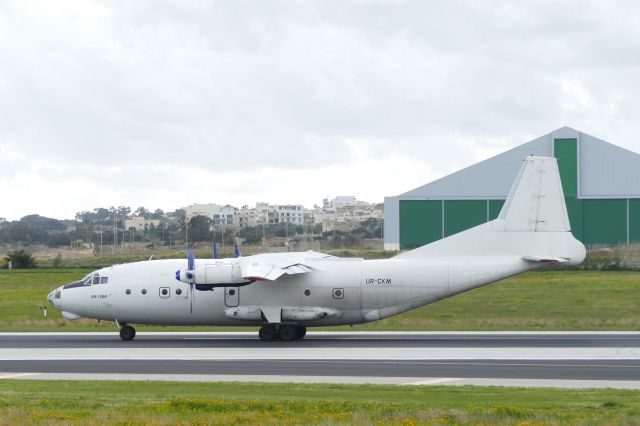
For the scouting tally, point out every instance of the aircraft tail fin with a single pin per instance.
(536, 201)
(532, 224)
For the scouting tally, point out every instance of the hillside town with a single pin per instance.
(341, 222)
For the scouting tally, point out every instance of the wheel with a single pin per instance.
(302, 331)
(288, 333)
(127, 332)
(267, 333)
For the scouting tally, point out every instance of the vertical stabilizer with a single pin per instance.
(533, 223)
(536, 201)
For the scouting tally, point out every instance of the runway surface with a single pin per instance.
(518, 359)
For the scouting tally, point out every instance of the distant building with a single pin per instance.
(344, 201)
(347, 218)
(289, 213)
(601, 184)
(219, 215)
(247, 217)
(139, 223)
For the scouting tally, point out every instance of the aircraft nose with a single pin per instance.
(54, 295)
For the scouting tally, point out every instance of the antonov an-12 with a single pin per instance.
(284, 293)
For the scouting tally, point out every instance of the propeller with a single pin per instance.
(237, 249)
(191, 264)
(191, 260)
(215, 249)
(188, 276)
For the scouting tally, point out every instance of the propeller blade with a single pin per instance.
(238, 252)
(191, 260)
(215, 249)
(191, 286)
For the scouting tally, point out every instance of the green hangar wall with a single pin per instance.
(601, 184)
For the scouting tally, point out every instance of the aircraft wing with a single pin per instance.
(271, 266)
(545, 259)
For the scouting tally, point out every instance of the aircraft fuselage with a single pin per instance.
(338, 292)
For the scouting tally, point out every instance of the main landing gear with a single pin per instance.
(286, 333)
(127, 332)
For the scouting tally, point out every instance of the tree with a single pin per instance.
(124, 211)
(20, 259)
(59, 239)
(141, 211)
(200, 228)
(251, 235)
(18, 231)
(42, 223)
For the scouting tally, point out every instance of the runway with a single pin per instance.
(508, 359)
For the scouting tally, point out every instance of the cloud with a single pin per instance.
(167, 103)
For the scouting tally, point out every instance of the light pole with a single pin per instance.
(100, 232)
(115, 233)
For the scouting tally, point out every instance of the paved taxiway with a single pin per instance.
(519, 359)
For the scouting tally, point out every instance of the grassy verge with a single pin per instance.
(84, 402)
(555, 300)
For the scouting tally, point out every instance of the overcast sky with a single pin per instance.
(163, 104)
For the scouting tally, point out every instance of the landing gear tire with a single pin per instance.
(288, 333)
(267, 333)
(302, 331)
(127, 332)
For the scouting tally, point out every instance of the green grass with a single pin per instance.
(86, 402)
(554, 300)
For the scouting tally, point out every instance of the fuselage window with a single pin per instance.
(104, 280)
(144, 291)
(178, 291)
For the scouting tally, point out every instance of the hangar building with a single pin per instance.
(601, 184)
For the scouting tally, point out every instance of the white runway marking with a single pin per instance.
(405, 348)
(409, 381)
(17, 375)
(435, 381)
(315, 353)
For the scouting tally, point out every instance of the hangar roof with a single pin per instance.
(604, 171)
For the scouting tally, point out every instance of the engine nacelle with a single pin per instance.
(216, 274)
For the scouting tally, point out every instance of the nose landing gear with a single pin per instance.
(127, 332)
(287, 333)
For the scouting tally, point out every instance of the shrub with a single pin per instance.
(20, 259)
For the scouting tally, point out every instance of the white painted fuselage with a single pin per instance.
(352, 291)
(312, 289)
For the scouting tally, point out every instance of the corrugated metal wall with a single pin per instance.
(426, 221)
(593, 221)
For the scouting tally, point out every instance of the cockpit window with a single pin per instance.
(93, 279)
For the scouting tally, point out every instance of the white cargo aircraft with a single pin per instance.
(284, 293)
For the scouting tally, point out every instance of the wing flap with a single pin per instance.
(270, 267)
